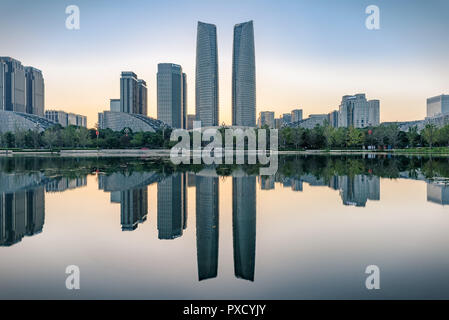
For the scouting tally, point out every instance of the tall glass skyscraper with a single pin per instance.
(34, 91)
(244, 76)
(13, 85)
(184, 101)
(170, 104)
(129, 94)
(143, 99)
(133, 94)
(206, 81)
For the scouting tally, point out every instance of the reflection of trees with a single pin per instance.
(327, 166)
(320, 166)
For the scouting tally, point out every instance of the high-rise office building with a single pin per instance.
(244, 226)
(333, 119)
(34, 89)
(244, 76)
(143, 97)
(13, 95)
(296, 115)
(266, 118)
(207, 208)
(373, 113)
(206, 80)
(3, 69)
(357, 112)
(132, 91)
(437, 106)
(190, 119)
(128, 92)
(184, 101)
(286, 118)
(170, 105)
(21, 88)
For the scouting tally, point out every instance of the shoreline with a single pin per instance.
(160, 153)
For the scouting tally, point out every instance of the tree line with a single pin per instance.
(385, 136)
(74, 137)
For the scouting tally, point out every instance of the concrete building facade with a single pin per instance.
(358, 112)
(437, 106)
(296, 115)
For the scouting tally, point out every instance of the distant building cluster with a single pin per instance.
(437, 114)
(267, 118)
(355, 111)
(354, 191)
(130, 111)
(22, 100)
(66, 119)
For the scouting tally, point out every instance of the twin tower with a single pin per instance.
(243, 76)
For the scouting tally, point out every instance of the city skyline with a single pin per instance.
(313, 61)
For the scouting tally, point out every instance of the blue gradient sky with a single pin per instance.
(308, 53)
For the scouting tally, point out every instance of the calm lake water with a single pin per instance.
(143, 229)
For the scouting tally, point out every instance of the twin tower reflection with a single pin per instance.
(172, 213)
(24, 182)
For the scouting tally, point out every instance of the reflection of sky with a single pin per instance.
(308, 245)
(309, 53)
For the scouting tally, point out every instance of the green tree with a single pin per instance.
(354, 137)
(20, 138)
(429, 134)
(50, 138)
(83, 137)
(443, 136)
(413, 136)
(392, 134)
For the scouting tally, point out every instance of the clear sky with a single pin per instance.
(308, 53)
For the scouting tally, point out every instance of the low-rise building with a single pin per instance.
(66, 119)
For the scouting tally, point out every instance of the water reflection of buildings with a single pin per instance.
(131, 191)
(22, 202)
(172, 206)
(438, 192)
(207, 226)
(22, 213)
(354, 191)
(267, 182)
(133, 208)
(244, 226)
(62, 184)
(357, 190)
